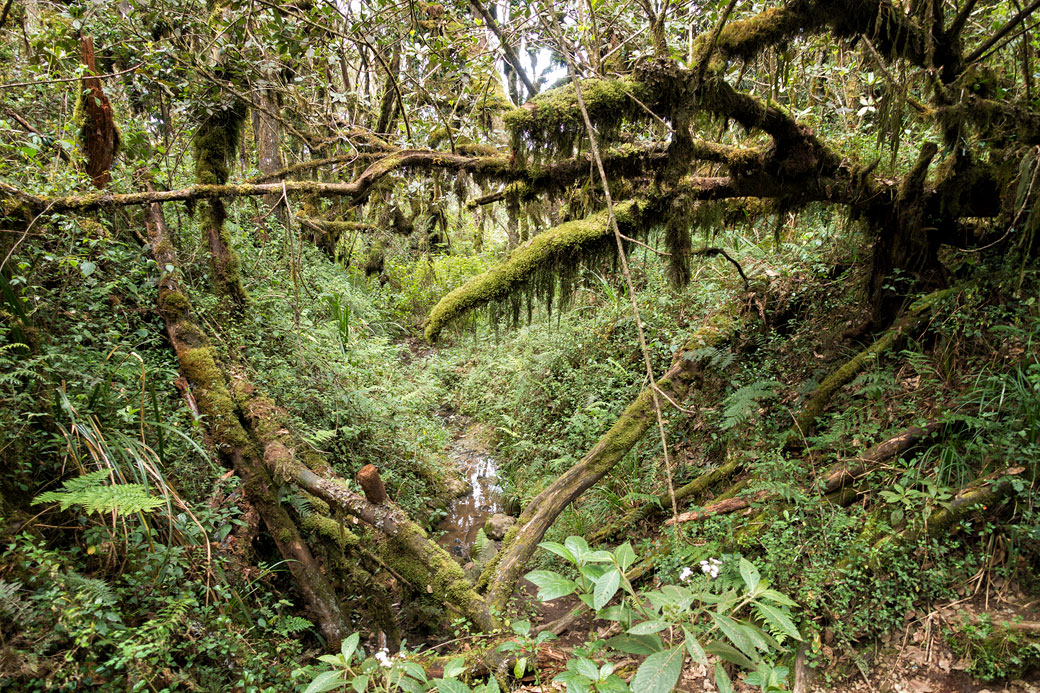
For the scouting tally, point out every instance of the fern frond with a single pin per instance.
(741, 404)
(90, 493)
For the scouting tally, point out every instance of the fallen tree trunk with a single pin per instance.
(885, 450)
(819, 398)
(721, 507)
(519, 545)
(231, 441)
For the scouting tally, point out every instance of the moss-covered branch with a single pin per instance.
(818, 399)
(562, 245)
(409, 551)
(208, 190)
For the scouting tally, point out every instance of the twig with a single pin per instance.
(69, 79)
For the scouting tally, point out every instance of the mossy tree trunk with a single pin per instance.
(216, 142)
(235, 445)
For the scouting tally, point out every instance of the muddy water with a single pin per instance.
(467, 513)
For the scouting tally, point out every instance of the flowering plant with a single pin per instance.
(737, 618)
(351, 670)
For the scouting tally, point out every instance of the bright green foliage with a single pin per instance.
(93, 495)
(382, 672)
(727, 612)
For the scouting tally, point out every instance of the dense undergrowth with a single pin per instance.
(108, 597)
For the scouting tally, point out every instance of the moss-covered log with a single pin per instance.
(408, 550)
(719, 507)
(235, 445)
(520, 543)
(846, 472)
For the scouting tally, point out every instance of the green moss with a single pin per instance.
(200, 368)
(174, 306)
(330, 529)
(216, 143)
(552, 121)
(537, 265)
(437, 573)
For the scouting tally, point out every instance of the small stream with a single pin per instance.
(467, 513)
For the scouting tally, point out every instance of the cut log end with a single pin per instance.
(371, 483)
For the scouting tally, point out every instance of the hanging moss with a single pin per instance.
(549, 262)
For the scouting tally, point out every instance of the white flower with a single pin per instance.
(711, 567)
(685, 574)
(382, 658)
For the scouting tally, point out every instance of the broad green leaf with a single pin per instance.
(722, 681)
(606, 588)
(778, 619)
(736, 635)
(451, 686)
(615, 613)
(520, 668)
(349, 646)
(586, 667)
(578, 546)
(749, 572)
(693, 646)
(559, 550)
(625, 556)
(599, 557)
(332, 660)
(648, 627)
(613, 684)
(729, 653)
(360, 684)
(659, 672)
(455, 667)
(777, 598)
(551, 585)
(414, 670)
(636, 644)
(330, 680)
(410, 685)
(575, 682)
(87, 268)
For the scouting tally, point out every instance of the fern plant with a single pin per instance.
(743, 403)
(93, 495)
